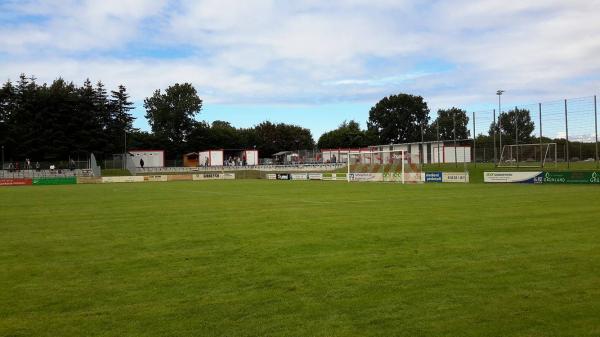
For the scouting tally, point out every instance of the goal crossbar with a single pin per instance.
(528, 155)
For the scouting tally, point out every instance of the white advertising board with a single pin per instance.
(335, 176)
(272, 176)
(156, 178)
(511, 177)
(128, 179)
(213, 176)
(366, 176)
(299, 176)
(455, 177)
(315, 176)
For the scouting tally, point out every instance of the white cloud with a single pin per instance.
(270, 51)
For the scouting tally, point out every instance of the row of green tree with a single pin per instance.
(61, 120)
(45, 122)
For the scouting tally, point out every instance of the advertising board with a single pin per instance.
(571, 177)
(315, 176)
(335, 176)
(433, 177)
(455, 177)
(366, 176)
(156, 178)
(15, 182)
(55, 181)
(88, 180)
(299, 176)
(283, 176)
(213, 176)
(125, 179)
(513, 177)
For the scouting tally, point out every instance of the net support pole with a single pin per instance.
(402, 156)
(567, 135)
(517, 132)
(348, 175)
(494, 135)
(596, 128)
(454, 131)
(437, 126)
(541, 133)
(474, 142)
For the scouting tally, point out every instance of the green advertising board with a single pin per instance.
(55, 181)
(571, 178)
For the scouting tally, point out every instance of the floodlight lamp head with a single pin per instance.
(500, 92)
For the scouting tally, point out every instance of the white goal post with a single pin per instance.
(398, 166)
(528, 155)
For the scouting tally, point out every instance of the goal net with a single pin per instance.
(528, 155)
(384, 166)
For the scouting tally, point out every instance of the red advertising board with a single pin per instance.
(15, 182)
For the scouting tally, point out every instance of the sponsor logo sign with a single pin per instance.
(366, 176)
(334, 176)
(513, 177)
(88, 180)
(455, 177)
(315, 176)
(568, 177)
(15, 182)
(433, 177)
(283, 176)
(55, 181)
(271, 176)
(392, 177)
(156, 178)
(571, 177)
(127, 179)
(179, 177)
(214, 176)
(299, 176)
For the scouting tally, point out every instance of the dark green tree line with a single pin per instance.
(55, 121)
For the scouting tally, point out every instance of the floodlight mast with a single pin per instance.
(499, 125)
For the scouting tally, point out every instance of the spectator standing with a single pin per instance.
(142, 162)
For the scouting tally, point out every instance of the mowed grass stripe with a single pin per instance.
(246, 258)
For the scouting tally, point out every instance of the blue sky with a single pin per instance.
(309, 62)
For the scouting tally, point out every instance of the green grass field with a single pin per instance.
(272, 258)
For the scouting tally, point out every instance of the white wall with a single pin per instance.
(202, 158)
(216, 158)
(461, 155)
(151, 158)
(251, 157)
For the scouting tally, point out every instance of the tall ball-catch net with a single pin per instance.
(528, 155)
(384, 166)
